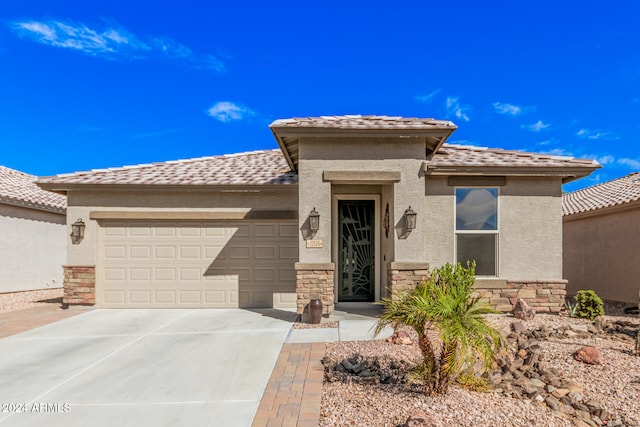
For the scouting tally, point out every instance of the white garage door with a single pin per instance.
(214, 264)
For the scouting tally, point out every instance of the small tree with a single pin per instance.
(445, 305)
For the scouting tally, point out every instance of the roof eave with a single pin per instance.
(64, 188)
(35, 206)
(567, 174)
(440, 134)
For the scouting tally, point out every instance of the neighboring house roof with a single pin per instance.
(19, 188)
(464, 159)
(252, 168)
(289, 131)
(619, 192)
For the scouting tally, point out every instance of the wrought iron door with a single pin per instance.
(356, 250)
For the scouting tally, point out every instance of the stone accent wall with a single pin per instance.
(543, 295)
(79, 285)
(404, 276)
(314, 280)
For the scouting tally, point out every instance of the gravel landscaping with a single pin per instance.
(381, 396)
(26, 299)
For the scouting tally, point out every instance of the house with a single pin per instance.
(32, 239)
(601, 239)
(350, 208)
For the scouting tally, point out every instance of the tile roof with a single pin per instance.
(270, 167)
(452, 155)
(19, 188)
(251, 168)
(608, 194)
(362, 122)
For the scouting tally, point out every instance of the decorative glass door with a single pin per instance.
(356, 250)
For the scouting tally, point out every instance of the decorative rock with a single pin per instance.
(518, 327)
(523, 311)
(419, 419)
(400, 338)
(589, 355)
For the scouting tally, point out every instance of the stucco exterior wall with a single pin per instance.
(602, 253)
(530, 227)
(353, 154)
(32, 249)
(81, 203)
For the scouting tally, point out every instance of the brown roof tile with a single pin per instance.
(19, 188)
(252, 168)
(451, 155)
(608, 194)
(362, 122)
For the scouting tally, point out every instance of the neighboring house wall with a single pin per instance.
(601, 253)
(33, 249)
(530, 226)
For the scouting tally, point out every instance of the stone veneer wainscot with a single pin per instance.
(79, 285)
(314, 280)
(404, 276)
(543, 295)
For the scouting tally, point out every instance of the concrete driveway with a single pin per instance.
(141, 368)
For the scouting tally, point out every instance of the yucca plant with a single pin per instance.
(445, 305)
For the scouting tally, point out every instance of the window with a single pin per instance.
(477, 228)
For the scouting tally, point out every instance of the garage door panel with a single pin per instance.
(248, 264)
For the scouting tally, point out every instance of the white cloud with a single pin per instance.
(427, 97)
(558, 152)
(596, 134)
(507, 109)
(111, 42)
(454, 107)
(225, 111)
(632, 163)
(537, 126)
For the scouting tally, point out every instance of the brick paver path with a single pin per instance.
(14, 322)
(292, 396)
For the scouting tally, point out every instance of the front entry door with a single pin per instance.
(356, 250)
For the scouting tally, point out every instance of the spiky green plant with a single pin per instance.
(445, 304)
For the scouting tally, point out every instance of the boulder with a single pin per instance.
(589, 355)
(523, 311)
(400, 338)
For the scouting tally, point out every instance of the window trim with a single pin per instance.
(495, 232)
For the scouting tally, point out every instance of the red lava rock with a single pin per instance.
(419, 419)
(523, 311)
(589, 355)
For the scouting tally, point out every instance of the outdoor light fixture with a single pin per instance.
(410, 218)
(77, 231)
(314, 220)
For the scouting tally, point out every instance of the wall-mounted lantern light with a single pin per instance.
(410, 218)
(314, 220)
(77, 231)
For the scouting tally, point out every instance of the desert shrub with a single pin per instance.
(590, 305)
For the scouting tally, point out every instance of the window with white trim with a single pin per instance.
(477, 228)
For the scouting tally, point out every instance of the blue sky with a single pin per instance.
(94, 84)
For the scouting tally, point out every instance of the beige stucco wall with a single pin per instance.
(81, 203)
(530, 223)
(32, 249)
(603, 253)
(375, 155)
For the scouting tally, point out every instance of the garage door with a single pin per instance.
(240, 264)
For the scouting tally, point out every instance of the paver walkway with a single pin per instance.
(15, 322)
(294, 392)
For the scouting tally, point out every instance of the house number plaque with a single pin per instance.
(314, 243)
